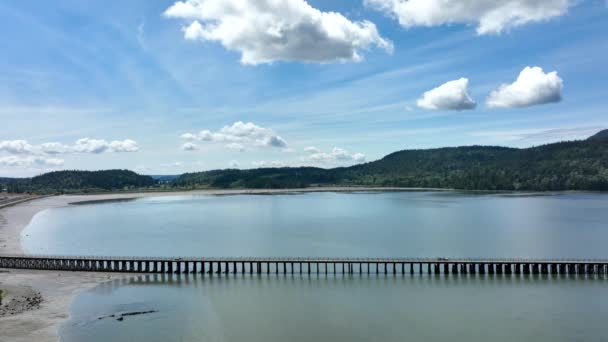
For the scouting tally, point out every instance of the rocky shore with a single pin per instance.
(16, 300)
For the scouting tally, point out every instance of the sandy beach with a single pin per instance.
(57, 289)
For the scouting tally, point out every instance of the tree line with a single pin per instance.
(570, 165)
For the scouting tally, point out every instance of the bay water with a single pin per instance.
(336, 307)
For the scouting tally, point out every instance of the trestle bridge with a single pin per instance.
(273, 265)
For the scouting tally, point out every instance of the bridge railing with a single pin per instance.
(424, 260)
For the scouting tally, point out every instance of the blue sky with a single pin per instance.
(122, 79)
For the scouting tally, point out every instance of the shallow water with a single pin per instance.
(336, 308)
(279, 308)
(394, 224)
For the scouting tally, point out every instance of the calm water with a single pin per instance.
(336, 308)
(405, 224)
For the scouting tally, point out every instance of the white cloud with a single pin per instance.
(263, 163)
(189, 136)
(236, 146)
(311, 149)
(189, 146)
(85, 145)
(127, 145)
(30, 161)
(532, 87)
(490, 16)
(15, 146)
(539, 135)
(54, 148)
(452, 95)
(275, 141)
(264, 31)
(240, 136)
(233, 164)
(173, 165)
(336, 156)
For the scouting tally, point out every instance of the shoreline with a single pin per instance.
(14, 218)
(58, 289)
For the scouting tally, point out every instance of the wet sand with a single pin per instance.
(57, 290)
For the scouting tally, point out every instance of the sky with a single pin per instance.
(166, 87)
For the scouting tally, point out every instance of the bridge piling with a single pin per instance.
(296, 265)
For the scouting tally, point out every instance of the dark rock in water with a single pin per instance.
(120, 317)
(135, 313)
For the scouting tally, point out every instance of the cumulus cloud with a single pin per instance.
(275, 141)
(127, 145)
(532, 87)
(264, 31)
(15, 146)
(174, 164)
(263, 163)
(85, 145)
(54, 148)
(311, 149)
(236, 146)
(240, 136)
(30, 161)
(189, 146)
(335, 156)
(452, 95)
(490, 16)
(189, 136)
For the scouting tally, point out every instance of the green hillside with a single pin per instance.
(574, 165)
(80, 181)
(571, 165)
(601, 135)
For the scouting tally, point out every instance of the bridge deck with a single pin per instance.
(259, 265)
(313, 259)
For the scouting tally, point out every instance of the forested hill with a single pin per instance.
(599, 135)
(79, 181)
(573, 165)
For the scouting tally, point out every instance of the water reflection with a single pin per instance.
(394, 224)
(343, 308)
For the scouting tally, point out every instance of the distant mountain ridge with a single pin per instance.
(80, 181)
(570, 165)
(601, 135)
(164, 178)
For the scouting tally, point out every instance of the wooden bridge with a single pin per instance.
(227, 265)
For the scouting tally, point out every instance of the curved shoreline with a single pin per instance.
(15, 218)
(59, 288)
(56, 288)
